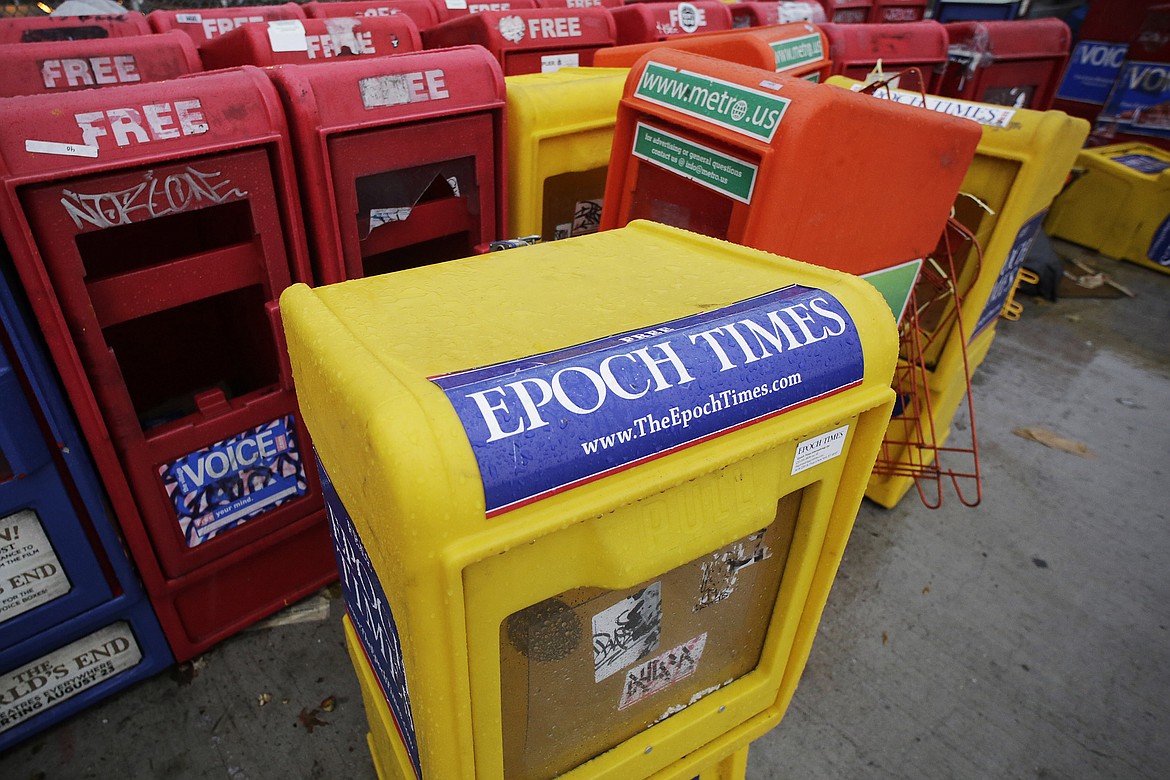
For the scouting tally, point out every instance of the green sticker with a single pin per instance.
(744, 110)
(712, 169)
(895, 284)
(794, 52)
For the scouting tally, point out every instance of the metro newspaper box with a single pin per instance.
(297, 42)
(537, 40)
(765, 14)
(1021, 164)
(64, 66)
(152, 227)
(646, 22)
(1120, 206)
(422, 12)
(847, 11)
(560, 132)
(798, 50)
(856, 50)
(203, 24)
(890, 11)
(1016, 64)
(38, 29)
(75, 625)
(616, 577)
(401, 158)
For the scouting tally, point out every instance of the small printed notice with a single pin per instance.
(819, 449)
(224, 485)
(457, 5)
(551, 63)
(703, 165)
(64, 150)
(189, 18)
(30, 573)
(39, 685)
(287, 35)
(662, 671)
(627, 632)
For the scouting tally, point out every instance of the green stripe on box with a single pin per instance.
(794, 52)
(895, 284)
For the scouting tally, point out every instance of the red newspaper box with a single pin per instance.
(742, 154)
(764, 14)
(847, 11)
(153, 227)
(421, 11)
(646, 22)
(538, 40)
(887, 11)
(297, 42)
(798, 50)
(65, 66)
(401, 158)
(203, 24)
(1015, 64)
(856, 48)
(453, 9)
(579, 3)
(35, 29)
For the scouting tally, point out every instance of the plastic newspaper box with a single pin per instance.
(889, 11)
(646, 22)
(380, 194)
(738, 153)
(74, 624)
(1120, 206)
(422, 12)
(39, 29)
(1016, 64)
(856, 51)
(972, 10)
(539, 40)
(204, 24)
(578, 3)
(847, 11)
(453, 9)
(64, 66)
(153, 227)
(297, 42)
(560, 131)
(623, 572)
(765, 14)
(1021, 164)
(798, 50)
(1138, 108)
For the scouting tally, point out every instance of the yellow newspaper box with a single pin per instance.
(560, 129)
(1020, 165)
(589, 496)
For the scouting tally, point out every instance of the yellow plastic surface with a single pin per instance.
(559, 124)
(1114, 208)
(1017, 171)
(403, 467)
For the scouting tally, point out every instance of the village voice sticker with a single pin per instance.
(546, 423)
(224, 485)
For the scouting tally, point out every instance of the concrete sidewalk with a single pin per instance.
(1025, 638)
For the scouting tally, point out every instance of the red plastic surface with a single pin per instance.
(453, 9)
(65, 66)
(376, 184)
(153, 227)
(1017, 63)
(873, 192)
(530, 41)
(36, 29)
(646, 22)
(856, 48)
(888, 11)
(764, 14)
(1116, 21)
(579, 3)
(847, 11)
(317, 41)
(203, 24)
(421, 11)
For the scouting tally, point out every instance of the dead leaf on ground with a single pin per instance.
(329, 703)
(185, 672)
(1054, 441)
(263, 699)
(885, 637)
(309, 719)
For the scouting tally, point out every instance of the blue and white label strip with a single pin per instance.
(546, 423)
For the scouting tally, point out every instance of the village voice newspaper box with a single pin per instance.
(589, 496)
(153, 227)
(401, 158)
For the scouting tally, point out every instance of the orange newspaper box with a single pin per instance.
(646, 22)
(422, 12)
(304, 42)
(742, 154)
(798, 50)
(856, 50)
(203, 24)
(66, 66)
(539, 40)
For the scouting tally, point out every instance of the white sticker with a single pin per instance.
(188, 18)
(380, 217)
(287, 35)
(720, 573)
(51, 679)
(457, 5)
(818, 449)
(454, 183)
(65, 150)
(563, 230)
(511, 28)
(627, 632)
(662, 671)
(551, 63)
(30, 572)
(689, 17)
(384, 91)
(586, 217)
